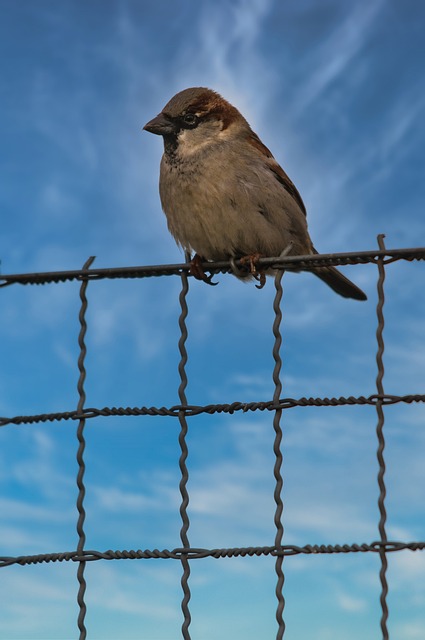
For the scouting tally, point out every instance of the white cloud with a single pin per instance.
(15, 538)
(333, 57)
(394, 139)
(133, 590)
(114, 499)
(407, 570)
(351, 604)
(39, 467)
(227, 56)
(402, 122)
(412, 630)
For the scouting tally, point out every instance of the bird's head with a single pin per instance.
(195, 118)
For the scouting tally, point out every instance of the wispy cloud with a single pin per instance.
(412, 630)
(334, 55)
(226, 55)
(93, 190)
(351, 604)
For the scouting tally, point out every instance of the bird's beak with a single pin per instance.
(161, 125)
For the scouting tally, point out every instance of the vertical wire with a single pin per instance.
(184, 454)
(381, 441)
(278, 454)
(80, 454)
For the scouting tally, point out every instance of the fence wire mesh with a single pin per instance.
(277, 405)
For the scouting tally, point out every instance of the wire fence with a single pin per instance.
(185, 554)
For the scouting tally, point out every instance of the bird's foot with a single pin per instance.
(197, 271)
(259, 274)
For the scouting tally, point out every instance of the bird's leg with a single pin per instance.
(197, 271)
(252, 259)
(259, 275)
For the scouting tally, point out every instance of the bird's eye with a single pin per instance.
(190, 120)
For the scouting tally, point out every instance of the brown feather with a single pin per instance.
(279, 173)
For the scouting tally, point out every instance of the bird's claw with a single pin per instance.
(208, 280)
(258, 275)
(261, 278)
(197, 271)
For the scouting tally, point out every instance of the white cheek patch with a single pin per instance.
(208, 132)
(182, 137)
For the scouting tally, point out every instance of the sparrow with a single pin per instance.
(224, 195)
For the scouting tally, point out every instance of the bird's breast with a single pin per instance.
(218, 208)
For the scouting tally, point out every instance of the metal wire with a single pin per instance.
(80, 455)
(183, 457)
(381, 442)
(211, 409)
(197, 554)
(186, 554)
(292, 263)
(278, 453)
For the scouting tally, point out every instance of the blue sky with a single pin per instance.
(336, 91)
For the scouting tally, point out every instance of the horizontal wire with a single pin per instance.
(194, 410)
(193, 553)
(297, 263)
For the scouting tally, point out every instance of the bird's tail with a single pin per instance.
(339, 283)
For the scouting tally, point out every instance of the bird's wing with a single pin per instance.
(277, 170)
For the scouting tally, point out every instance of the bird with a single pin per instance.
(224, 195)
